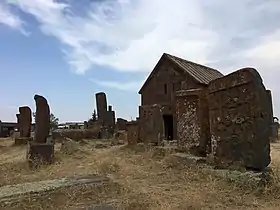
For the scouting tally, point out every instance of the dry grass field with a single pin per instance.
(142, 178)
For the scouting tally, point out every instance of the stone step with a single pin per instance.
(10, 193)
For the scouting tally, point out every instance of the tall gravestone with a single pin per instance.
(40, 150)
(240, 119)
(101, 105)
(24, 120)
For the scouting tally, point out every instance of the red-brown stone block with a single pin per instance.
(240, 119)
(40, 154)
(193, 121)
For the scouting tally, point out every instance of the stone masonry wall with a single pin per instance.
(192, 121)
(240, 119)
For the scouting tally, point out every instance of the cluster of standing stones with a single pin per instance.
(229, 121)
(39, 149)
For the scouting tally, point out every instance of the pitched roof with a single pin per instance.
(202, 74)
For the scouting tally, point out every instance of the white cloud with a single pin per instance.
(267, 52)
(125, 35)
(10, 19)
(131, 35)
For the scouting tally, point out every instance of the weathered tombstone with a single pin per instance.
(101, 105)
(24, 119)
(240, 120)
(109, 123)
(40, 151)
(151, 124)
(193, 121)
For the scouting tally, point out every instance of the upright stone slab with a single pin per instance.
(40, 151)
(151, 124)
(42, 119)
(24, 125)
(101, 105)
(240, 119)
(26, 120)
(193, 121)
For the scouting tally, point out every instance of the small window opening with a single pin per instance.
(165, 88)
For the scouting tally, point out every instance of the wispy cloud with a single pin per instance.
(10, 19)
(131, 35)
(125, 35)
(123, 86)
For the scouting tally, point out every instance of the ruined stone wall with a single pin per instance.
(240, 119)
(193, 121)
(76, 134)
(132, 132)
(121, 124)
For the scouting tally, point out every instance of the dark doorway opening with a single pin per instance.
(168, 127)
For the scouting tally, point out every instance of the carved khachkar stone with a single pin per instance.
(25, 121)
(240, 119)
(40, 151)
(42, 119)
(101, 105)
(151, 124)
(193, 121)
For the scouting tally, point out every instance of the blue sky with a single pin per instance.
(67, 50)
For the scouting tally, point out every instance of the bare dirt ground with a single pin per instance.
(141, 178)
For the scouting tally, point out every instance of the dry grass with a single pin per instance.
(142, 179)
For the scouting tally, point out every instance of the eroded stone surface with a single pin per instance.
(192, 121)
(240, 119)
(42, 119)
(151, 123)
(25, 121)
(40, 153)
